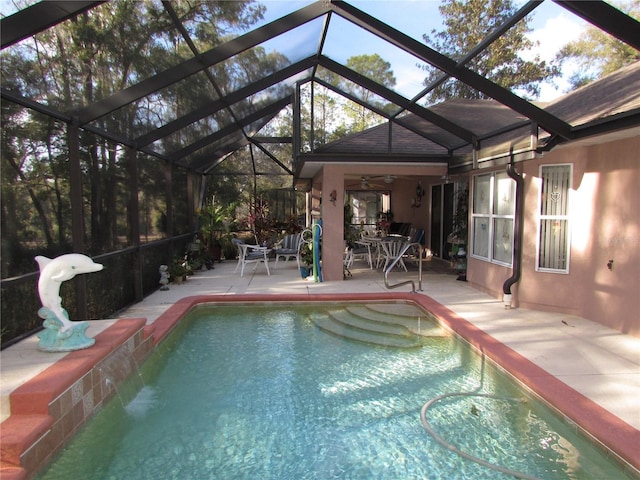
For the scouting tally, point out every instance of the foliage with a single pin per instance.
(179, 267)
(306, 253)
(467, 24)
(335, 116)
(597, 53)
(383, 225)
(77, 63)
(378, 70)
(460, 219)
(214, 219)
(261, 222)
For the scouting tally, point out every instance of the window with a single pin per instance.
(553, 224)
(365, 207)
(493, 217)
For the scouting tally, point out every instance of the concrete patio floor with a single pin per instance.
(600, 363)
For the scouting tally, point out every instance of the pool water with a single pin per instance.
(262, 393)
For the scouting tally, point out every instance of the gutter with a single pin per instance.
(517, 235)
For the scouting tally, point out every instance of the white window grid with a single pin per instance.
(564, 217)
(491, 221)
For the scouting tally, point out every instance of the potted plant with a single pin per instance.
(179, 269)
(214, 226)
(459, 231)
(261, 222)
(306, 259)
(384, 223)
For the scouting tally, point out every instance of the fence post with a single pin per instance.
(77, 215)
(134, 222)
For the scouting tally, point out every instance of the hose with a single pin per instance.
(453, 448)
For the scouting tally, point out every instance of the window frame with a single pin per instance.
(491, 217)
(566, 217)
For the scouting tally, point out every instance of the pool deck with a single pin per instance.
(601, 364)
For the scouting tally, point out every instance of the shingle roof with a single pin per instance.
(614, 94)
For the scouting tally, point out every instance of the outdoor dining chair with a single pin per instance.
(251, 254)
(391, 248)
(289, 247)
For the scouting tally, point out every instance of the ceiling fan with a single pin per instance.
(367, 182)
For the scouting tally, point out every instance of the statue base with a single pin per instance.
(54, 339)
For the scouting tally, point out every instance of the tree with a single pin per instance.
(597, 53)
(377, 69)
(86, 59)
(335, 116)
(467, 24)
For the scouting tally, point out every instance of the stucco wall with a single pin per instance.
(332, 177)
(605, 225)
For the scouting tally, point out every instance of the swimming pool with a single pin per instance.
(257, 392)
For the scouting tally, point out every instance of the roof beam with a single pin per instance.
(197, 64)
(271, 109)
(398, 99)
(39, 17)
(482, 46)
(608, 18)
(271, 156)
(221, 154)
(549, 122)
(216, 105)
(272, 139)
(382, 113)
(57, 115)
(613, 123)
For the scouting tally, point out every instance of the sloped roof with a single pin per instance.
(615, 96)
(198, 136)
(617, 93)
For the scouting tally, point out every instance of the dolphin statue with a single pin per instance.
(55, 271)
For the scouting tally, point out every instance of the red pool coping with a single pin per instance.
(30, 417)
(610, 430)
(21, 429)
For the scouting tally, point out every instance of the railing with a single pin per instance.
(129, 275)
(403, 250)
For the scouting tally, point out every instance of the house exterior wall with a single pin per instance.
(403, 204)
(332, 177)
(605, 225)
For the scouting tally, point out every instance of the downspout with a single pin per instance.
(517, 235)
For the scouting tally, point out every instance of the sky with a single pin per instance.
(552, 26)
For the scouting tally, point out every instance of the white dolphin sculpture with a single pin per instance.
(55, 271)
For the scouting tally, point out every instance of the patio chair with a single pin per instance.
(251, 254)
(391, 248)
(360, 251)
(289, 247)
(416, 237)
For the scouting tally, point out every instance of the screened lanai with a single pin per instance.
(122, 120)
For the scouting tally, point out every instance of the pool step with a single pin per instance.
(345, 324)
(408, 316)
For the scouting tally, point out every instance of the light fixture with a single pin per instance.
(389, 179)
(364, 183)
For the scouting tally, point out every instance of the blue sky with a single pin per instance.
(552, 26)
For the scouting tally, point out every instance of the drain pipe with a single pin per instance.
(517, 235)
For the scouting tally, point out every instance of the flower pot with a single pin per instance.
(216, 252)
(305, 272)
